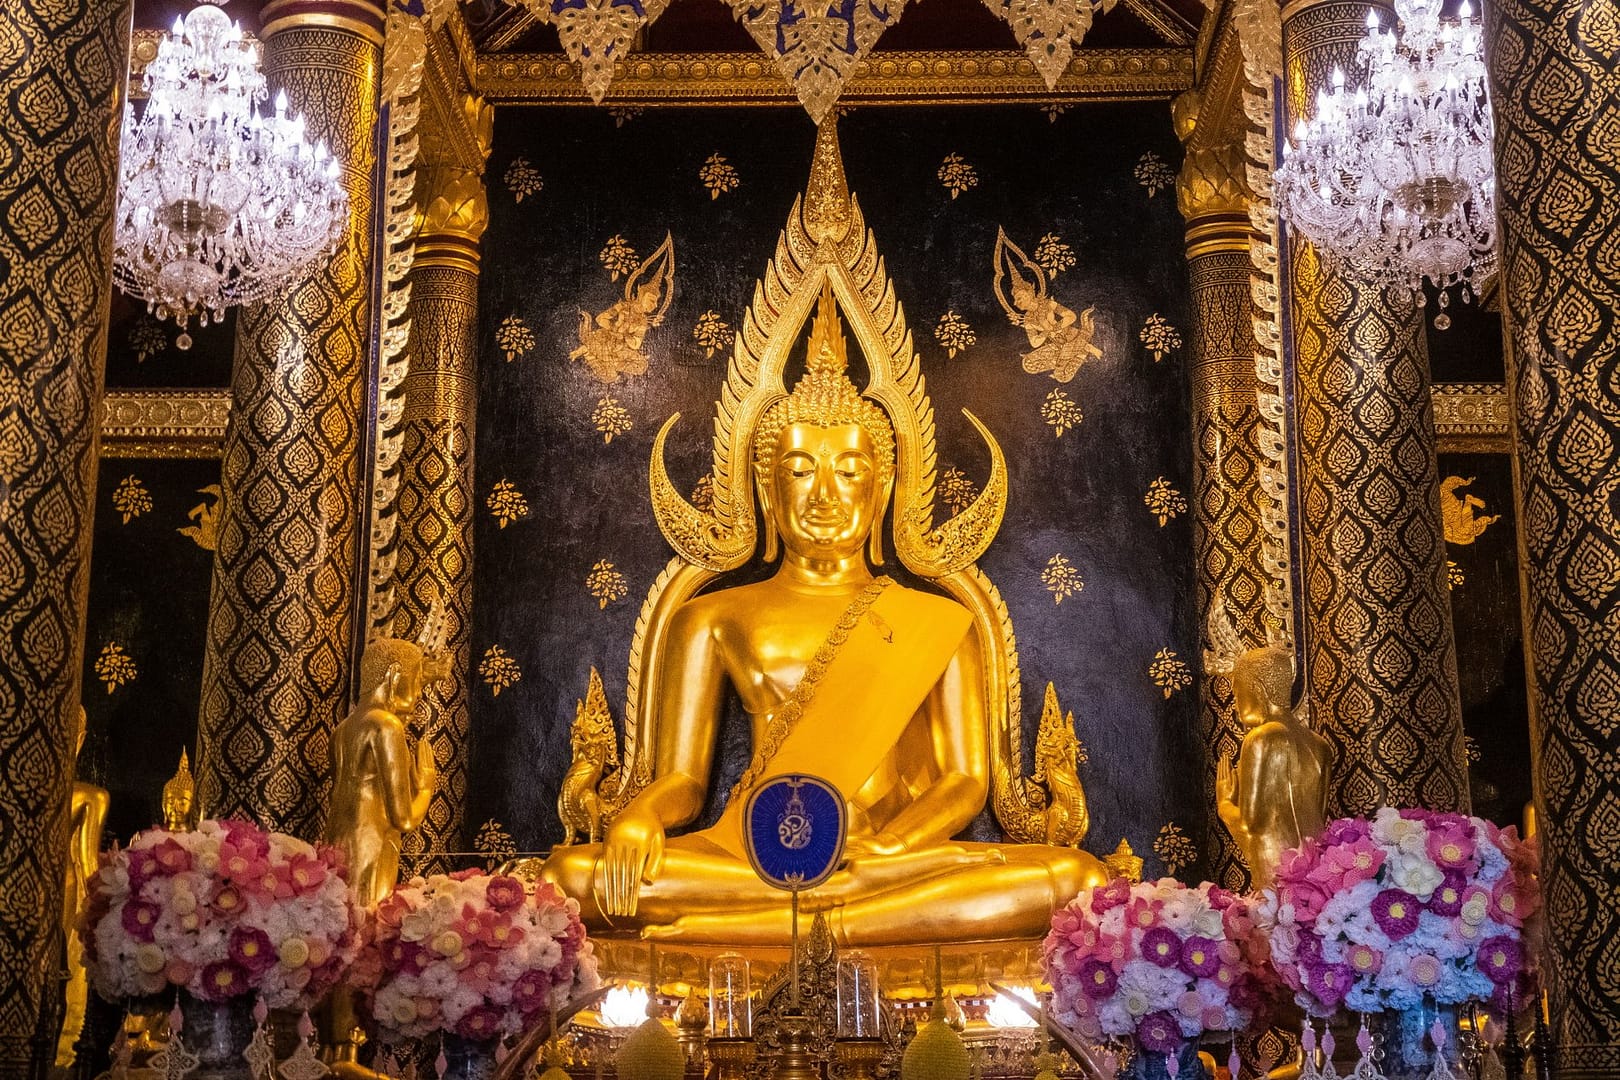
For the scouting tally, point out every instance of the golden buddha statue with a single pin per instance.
(87, 816)
(180, 799)
(1276, 794)
(380, 791)
(904, 700)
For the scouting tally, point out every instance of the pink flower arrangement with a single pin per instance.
(1376, 915)
(225, 910)
(471, 953)
(1158, 962)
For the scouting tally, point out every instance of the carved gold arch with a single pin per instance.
(826, 243)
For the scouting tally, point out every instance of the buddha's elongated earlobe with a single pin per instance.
(770, 523)
(874, 542)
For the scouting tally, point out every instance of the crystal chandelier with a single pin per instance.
(1395, 178)
(218, 204)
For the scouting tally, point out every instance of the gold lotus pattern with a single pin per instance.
(1154, 173)
(514, 338)
(719, 176)
(953, 334)
(957, 490)
(494, 843)
(1060, 412)
(1169, 672)
(1061, 578)
(1164, 501)
(712, 333)
(610, 418)
(1159, 336)
(1053, 255)
(1174, 848)
(617, 256)
(957, 175)
(115, 667)
(605, 584)
(147, 339)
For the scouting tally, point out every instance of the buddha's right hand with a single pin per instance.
(633, 853)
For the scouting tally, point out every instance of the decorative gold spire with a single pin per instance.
(826, 199)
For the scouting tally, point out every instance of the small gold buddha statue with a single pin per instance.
(380, 789)
(180, 799)
(880, 689)
(87, 816)
(1276, 795)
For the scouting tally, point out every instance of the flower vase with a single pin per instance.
(1404, 1036)
(218, 1033)
(1155, 1064)
(467, 1059)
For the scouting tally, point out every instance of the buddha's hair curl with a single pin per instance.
(824, 397)
(1272, 669)
(380, 654)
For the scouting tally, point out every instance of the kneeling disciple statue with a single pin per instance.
(900, 698)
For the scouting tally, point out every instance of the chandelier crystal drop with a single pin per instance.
(1394, 178)
(218, 203)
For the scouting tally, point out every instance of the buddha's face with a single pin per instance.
(177, 805)
(405, 689)
(825, 489)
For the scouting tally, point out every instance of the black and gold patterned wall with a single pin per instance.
(1095, 557)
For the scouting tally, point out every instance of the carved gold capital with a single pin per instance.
(1214, 199)
(362, 17)
(452, 214)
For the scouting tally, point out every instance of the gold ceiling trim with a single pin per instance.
(164, 423)
(895, 78)
(1472, 418)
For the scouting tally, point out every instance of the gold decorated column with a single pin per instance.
(1380, 659)
(436, 499)
(1228, 531)
(281, 618)
(61, 94)
(1555, 85)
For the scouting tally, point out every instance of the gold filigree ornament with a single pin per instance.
(1053, 255)
(513, 337)
(605, 584)
(1154, 173)
(1061, 412)
(506, 503)
(957, 175)
(1060, 341)
(712, 334)
(610, 418)
(523, 179)
(1454, 575)
(816, 48)
(957, 490)
(1049, 29)
(1169, 672)
(1174, 848)
(1159, 336)
(494, 843)
(954, 334)
(498, 670)
(618, 257)
(1061, 578)
(595, 33)
(611, 344)
(827, 261)
(1164, 501)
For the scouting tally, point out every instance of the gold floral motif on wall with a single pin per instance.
(605, 584)
(712, 333)
(623, 114)
(719, 176)
(617, 257)
(1174, 848)
(1061, 578)
(494, 843)
(131, 499)
(1159, 336)
(610, 418)
(522, 180)
(953, 334)
(514, 338)
(1153, 173)
(1061, 412)
(1052, 110)
(1169, 672)
(498, 670)
(1164, 501)
(506, 503)
(1454, 575)
(1053, 255)
(204, 529)
(611, 345)
(1060, 341)
(114, 667)
(957, 175)
(957, 490)
(1462, 512)
(147, 339)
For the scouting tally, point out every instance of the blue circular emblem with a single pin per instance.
(794, 829)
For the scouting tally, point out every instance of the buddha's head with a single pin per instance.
(1262, 684)
(824, 459)
(179, 795)
(393, 673)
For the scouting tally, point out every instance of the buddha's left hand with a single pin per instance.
(879, 844)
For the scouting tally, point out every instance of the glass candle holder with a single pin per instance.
(731, 1004)
(858, 1014)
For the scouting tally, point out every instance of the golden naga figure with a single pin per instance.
(1276, 795)
(905, 700)
(595, 751)
(380, 791)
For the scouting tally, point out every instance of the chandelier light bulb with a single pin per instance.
(216, 207)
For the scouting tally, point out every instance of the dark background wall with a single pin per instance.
(1080, 495)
